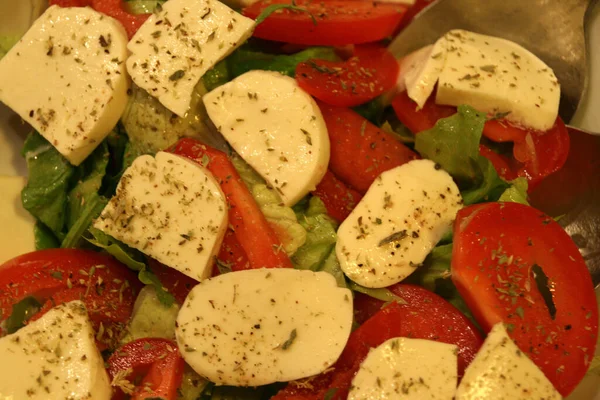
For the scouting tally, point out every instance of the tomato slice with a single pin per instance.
(499, 250)
(156, 360)
(232, 253)
(536, 154)
(175, 282)
(338, 198)
(338, 22)
(539, 154)
(366, 75)
(360, 151)
(112, 8)
(251, 228)
(427, 316)
(55, 276)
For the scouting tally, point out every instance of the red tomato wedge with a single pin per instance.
(366, 75)
(175, 282)
(55, 276)
(232, 254)
(251, 228)
(535, 154)
(112, 8)
(427, 316)
(338, 22)
(339, 199)
(360, 151)
(538, 154)
(505, 257)
(157, 361)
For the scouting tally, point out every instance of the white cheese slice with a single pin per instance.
(257, 327)
(407, 369)
(171, 209)
(178, 44)
(403, 215)
(16, 224)
(501, 371)
(66, 77)
(54, 357)
(419, 72)
(275, 127)
(491, 74)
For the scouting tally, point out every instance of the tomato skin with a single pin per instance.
(55, 276)
(339, 199)
(251, 228)
(157, 360)
(366, 75)
(339, 22)
(496, 246)
(232, 253)
(112, 8)
(360, 151)
(419, 120)
(427, 316)
(175, 282)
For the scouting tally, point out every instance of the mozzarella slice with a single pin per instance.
(257, 327)
(54, 357)
(501, 371)
(403, 215)
(171, 209)
(66, 77)
(408, 369)
(419, 72)
(275, 127)
(16, 232)
(490, 74)
(178, 44)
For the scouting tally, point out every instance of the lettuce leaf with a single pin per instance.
(246, 59)
(45, 195)
(517, 192)
(453, 143)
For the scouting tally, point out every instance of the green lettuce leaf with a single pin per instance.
(216, 76)
(382, 294)
(453, 143)
(320, 235)
(517, 192)
(43, 237)
(90, 211)
(45, 195)
(89, 176)
(245, 59)
(6, 43)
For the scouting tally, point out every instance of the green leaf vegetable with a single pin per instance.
(246, 59)
(21, 312)
(453, 143)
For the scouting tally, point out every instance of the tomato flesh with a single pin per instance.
(366, 75)
(360, 151)
(156, 360)
(251, 228)
(338, 22)
(499, 249)
(55, 276)
(339, 199)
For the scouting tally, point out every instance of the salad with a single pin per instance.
(256, 200)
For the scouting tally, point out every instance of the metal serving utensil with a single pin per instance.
(554, 30)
